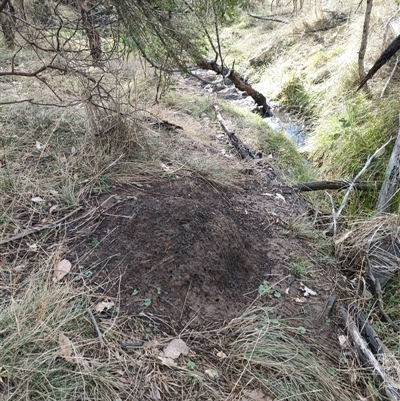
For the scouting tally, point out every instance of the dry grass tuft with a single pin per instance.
(374, 244)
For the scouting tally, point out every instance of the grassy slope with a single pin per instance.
(313, 72)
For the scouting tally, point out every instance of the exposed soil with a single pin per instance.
(189, 254)
(200, 253)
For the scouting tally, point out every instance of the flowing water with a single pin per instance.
(281, 121)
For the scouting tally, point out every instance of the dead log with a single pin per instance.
(239, 83)
(382, 60)
(244, 151)
(381, 365)
(392, 178)
(335, 185)
(266, 18)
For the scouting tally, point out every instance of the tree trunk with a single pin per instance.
(7, 23)
(392, 178)
(90, 29)
(239, 83)
(364, 41)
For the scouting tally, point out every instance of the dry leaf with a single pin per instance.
(155, 393)
(33, 247)
(307, 291)
(255, 395)
(104, 305)
(66, 348)
(343, 341)
(212, 373)
(300, 300)
(37, 199)
(62, 269)
(167, 361)
(175, 348)
(54, 207)
(221, 355)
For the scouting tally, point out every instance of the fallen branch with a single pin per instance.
(239, 83)
(366, 358)
(267, 18)
(382, 60)
(97, 328)
(39, 228)
(352, 185)
(335, 185)
(392, 178)
(244, 151)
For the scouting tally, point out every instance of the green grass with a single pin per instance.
(296, 98)
(253, 130)
(272, 356)
(300, 267)
(343, 142)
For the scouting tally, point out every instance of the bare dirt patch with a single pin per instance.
(189, 253)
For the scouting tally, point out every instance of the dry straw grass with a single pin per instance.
(374, 242)
(253, 356)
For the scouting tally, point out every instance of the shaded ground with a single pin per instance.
(199, 254)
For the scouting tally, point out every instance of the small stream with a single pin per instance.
(281, 121)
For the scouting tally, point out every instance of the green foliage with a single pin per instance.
(300, 267)
(343, 142)
(266, 289)
(173, 33)
(295, 98)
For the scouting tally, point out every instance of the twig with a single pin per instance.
(39, 228)
(390, 76)
(96, 326)
(333, 214)
(184, 302)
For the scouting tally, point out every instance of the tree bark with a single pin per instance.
(239, 83)
(334, 185)
(382, 60)
(364, 41)
(90, 29)
(7, 23)
(392, 178)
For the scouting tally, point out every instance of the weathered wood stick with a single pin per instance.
(244, 151)
(366, 358)
(335, 185)
(392, 178)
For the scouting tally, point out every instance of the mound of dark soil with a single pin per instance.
(185, 252)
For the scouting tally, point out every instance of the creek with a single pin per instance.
(281, 121)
